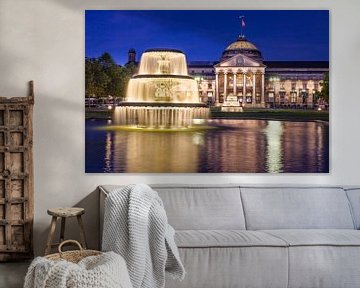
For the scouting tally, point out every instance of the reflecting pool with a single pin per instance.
(232, 146)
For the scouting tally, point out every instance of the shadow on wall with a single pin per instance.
(58, 168)
(91, 222)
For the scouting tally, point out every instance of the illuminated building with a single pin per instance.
(243, 72)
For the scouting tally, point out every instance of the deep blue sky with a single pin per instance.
(203, 35)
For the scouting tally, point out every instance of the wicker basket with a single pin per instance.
(72, 256)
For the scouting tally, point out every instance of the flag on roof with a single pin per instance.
(243, 22)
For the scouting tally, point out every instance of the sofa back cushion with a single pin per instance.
(354, 198)
(202, 207)
(296, 208)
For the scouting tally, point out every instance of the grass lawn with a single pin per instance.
(274, 114)
(98, 114)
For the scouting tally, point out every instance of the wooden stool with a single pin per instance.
(64, 213)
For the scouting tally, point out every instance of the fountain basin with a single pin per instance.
(159, 117)
(162, 104)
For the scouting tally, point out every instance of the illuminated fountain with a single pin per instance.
(162, 95)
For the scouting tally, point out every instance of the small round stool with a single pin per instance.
(64, 213)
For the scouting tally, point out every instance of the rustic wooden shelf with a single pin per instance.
(16, 177)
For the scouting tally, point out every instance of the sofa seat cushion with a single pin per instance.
(322, 258)
(225, 238)
(317, 237)
(233, 267)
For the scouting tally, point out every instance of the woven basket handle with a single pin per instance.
(69, 241)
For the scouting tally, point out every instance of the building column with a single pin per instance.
(244, 89)
(225, 86)
(254, 87)
(234, 75)
(216, 88)
(263, 89)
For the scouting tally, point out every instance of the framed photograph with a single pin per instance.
(207, 91)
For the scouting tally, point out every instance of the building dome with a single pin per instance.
(242, 46)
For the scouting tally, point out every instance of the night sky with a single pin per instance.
(203, 35)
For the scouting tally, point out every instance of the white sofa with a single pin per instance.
(242, 236)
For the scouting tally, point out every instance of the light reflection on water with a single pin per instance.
(245, 146)
(274, 132)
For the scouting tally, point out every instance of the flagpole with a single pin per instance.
(241, 25)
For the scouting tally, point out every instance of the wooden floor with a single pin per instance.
(12, 274)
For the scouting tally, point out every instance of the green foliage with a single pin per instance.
(317, 96)
(96, 79)
(103, 77)
(278, 114)
(324, 93)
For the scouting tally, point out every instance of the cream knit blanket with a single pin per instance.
(102, 271)
(136, 227)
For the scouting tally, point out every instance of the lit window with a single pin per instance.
(271, 97)
(282, 97)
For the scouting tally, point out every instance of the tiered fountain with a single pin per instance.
(162, 95)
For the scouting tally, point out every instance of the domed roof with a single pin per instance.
(242, 46)
(241, 43)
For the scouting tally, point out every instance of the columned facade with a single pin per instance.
(225, 87)
(244, 88)
(240, 75)
(273, 88)
(217, 88)
(245, 82)
(263, 89)
(254, 88)
(234, 77)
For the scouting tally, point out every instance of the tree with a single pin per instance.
(324, 93)
(128, 71)
(103, 77)
(106, 61)
(96, 79)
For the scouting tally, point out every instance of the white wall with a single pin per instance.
(43, 40)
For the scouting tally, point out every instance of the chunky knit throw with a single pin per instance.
(136, 227)
(107, 270)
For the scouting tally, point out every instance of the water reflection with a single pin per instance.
(274, 155)
(306, 145)
(246, 146)
(239, 147)
(154, 152)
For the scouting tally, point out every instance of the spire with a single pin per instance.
(132, 55)
(242, 25)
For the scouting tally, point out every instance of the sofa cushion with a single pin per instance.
(324, 266)
(315, 237)
(226, 238)
(322, 258)
(191, 207)
(296, 208)
(354, 198)
(235, 267)
(204, 208)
